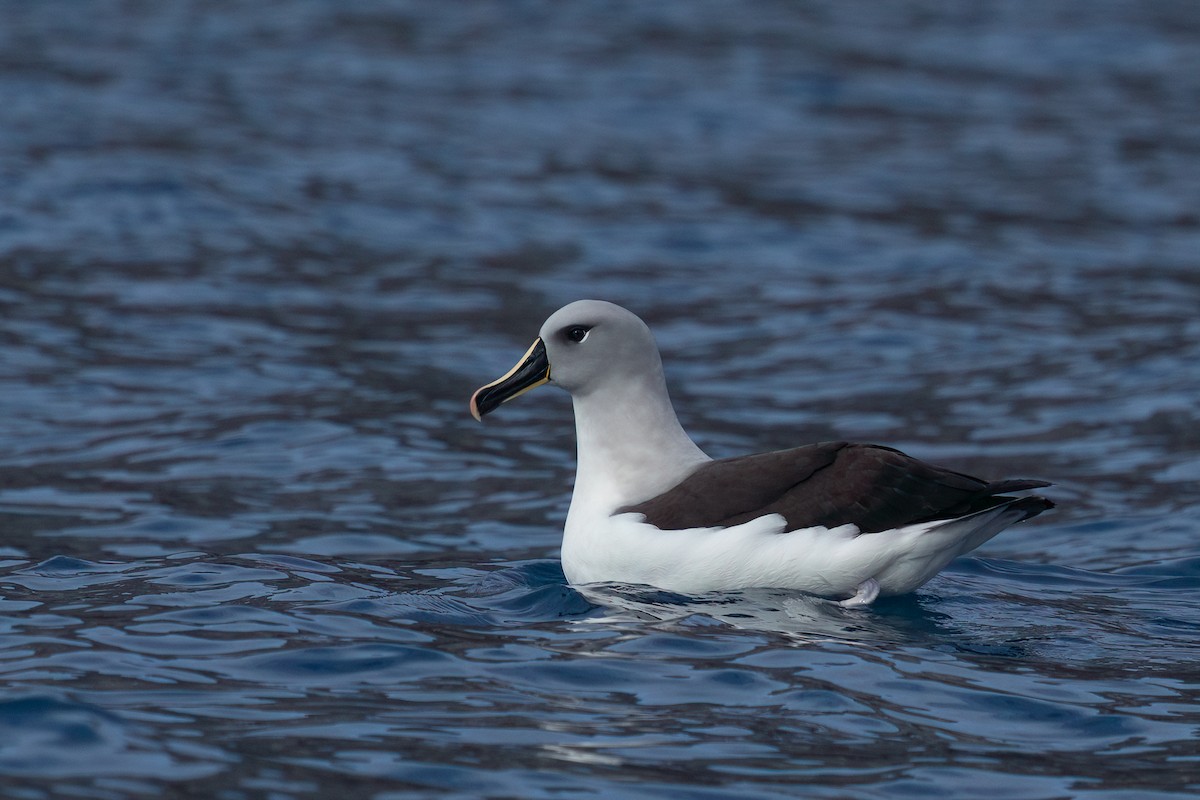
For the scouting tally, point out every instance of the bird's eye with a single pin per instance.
(576, 333)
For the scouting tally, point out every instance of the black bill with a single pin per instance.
(531, 371)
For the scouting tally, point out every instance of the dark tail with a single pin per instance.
(1031, 506)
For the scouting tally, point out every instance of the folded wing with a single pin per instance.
(832, 483)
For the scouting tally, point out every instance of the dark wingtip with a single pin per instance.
(1016, 485)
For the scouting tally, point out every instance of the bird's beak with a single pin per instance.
(530, 372)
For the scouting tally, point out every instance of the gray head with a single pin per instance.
(582, 347)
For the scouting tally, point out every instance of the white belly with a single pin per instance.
(757, 554)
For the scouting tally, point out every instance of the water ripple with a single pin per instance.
(253, 260)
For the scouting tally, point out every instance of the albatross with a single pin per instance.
(845, 521)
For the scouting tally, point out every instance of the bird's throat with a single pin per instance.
(631, 447)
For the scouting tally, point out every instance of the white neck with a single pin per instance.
(631, 445)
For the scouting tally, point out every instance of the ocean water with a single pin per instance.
(254, 259)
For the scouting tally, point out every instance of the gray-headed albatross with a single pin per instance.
(840, 520)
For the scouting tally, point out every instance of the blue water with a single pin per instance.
(254, 260)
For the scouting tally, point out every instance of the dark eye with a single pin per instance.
(576, 333)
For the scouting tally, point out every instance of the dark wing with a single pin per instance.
(831, 483)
